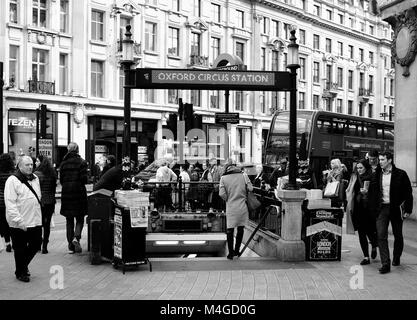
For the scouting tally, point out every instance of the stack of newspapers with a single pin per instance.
(132, 198)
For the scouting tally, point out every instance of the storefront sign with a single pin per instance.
(118, 229)
(223, 117)
(45, 148)
(100, 148)
(22, 121)
(142, 149)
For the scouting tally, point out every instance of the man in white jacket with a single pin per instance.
(22, 194)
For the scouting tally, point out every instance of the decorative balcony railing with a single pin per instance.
(41, 87)
(331, 86)
(197, 60)
(364, 92)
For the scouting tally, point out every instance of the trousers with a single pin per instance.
(74, 233)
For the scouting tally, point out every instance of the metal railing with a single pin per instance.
(41, 87)
(364, 92)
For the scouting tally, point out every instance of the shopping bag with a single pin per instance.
(252, 201)
(332, 189)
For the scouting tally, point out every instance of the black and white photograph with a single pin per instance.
(208, 159)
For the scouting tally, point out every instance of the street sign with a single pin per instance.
(223, 117)
(45, 148)
(234, 67)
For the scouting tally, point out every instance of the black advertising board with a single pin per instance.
(323, 234)
(224, 117)
(147, 78)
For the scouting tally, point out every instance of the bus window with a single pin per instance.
(389, 134)
(353, 129)
(364, 131)
(324, 126)
(380, 133)
(371, 131)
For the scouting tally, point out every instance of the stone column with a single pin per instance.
(290, 247)
(402, 16)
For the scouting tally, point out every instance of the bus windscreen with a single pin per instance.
(278, 142)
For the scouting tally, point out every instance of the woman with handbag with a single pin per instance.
(362, 218)
(334, 185)
(233, 188)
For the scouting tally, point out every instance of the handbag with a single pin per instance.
(251, 200)
(332, 189)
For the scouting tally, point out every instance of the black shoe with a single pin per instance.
(373, 253)
(27, 273)
(230, 256)
(365, 261)
(77, 246)
(71, 248)
(44, 250)
(23, 278)
(384, 269)
(9, 248)
(396, 262)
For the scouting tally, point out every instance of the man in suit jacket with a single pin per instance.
(389, 188)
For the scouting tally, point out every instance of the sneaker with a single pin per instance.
(77, 246)
(365, 261)
(9, 248)
(384, 269)
(71, 248)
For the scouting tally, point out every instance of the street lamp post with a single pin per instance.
(127, 62)
(293, 65)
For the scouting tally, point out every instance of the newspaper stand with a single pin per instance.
(130, 225)
(323, 233)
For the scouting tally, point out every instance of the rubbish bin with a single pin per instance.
(130, 225)
(100, 225)
(323, 234)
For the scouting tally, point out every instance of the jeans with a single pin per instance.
(71, 233)
(47, 212)
(382, 222)
(25, 245)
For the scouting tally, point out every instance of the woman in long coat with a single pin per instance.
(73, 177)
(234, 185)
(363, 219)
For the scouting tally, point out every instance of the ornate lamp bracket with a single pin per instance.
(404, 44)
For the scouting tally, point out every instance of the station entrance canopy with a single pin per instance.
(150, 78)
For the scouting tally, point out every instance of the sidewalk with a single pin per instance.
(247, 278)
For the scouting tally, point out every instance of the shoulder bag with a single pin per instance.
(251, 200)
(30, 188)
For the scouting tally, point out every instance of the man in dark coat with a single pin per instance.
(389, 189)
(73, 177)
(111, 180)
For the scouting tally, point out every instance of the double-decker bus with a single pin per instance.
(322, 136)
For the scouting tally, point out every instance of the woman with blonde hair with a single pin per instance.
(336, 174)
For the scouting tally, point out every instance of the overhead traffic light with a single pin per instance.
(43, 121)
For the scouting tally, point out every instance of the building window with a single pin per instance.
(371, 84)
(370, 110)
(350, 107)
(329, 14)
(215, 11)
(287, 29)
(214, 99)
(175, 5)
(361, 76)
(195, 97)
(350, 79)
(391, 87)
(14, 66)
(262, 102)
(340, 77)
(316, 11)
(302, 68)
(371, 30)
(63, 16)
(328, 45)
(274, 101)
(263, 59)
(275, 28)
(340, 48)
(239, 105)
(360, 109)
(329, 72)
(274, 60)
(352, 23)
(173, 41)
(150, 36)
(302, 35)
(315, 102)
(385, 87)
(265, 25)
(195, 44)
(97, 78)
(301, 101)
(13, 11)
(371, 57)
(316, 72)
(240, 50)
(150, 96)
(341, 19)
(362, 24)
(361, 54)
(339, 105)
(97, 25)
(197, 8)
(63, 73)
(316, 41)
(39, 10)
(39, 64)
(173, 96)
(350, 51)
(243, 140)
(121, 83)
(328, 104)
(215, 49)
(303, 4)
(285, 60)
(240, 19)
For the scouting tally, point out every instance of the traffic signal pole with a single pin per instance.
(227, 127)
